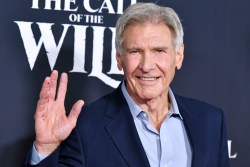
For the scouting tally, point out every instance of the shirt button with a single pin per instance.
(145, 115)
(158, 138)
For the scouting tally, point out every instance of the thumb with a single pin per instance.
(75, 111)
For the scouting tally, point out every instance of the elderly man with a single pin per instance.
(142, 123)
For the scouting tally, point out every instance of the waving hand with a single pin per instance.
(52, 125)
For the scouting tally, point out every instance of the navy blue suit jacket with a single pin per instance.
(106, 136)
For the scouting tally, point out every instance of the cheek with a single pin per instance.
(164, 62)
(166, 65)
(130, 66)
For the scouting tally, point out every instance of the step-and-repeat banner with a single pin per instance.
(77, 37)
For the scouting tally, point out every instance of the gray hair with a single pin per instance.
(149, 12)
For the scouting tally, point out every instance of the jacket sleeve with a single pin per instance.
(69, 153)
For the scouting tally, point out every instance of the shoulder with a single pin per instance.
(208, 118)
(114, 98)
(106, 106)
(197, 107)
(97, 107)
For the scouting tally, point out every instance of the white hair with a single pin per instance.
(149, 12)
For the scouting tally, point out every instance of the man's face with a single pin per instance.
(148, 60)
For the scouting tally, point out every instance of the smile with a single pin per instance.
(148, 79)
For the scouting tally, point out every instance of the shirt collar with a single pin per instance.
(136, 110)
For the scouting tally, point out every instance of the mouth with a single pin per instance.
(148, 78)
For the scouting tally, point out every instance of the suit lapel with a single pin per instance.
(123, 132)
(194, 132)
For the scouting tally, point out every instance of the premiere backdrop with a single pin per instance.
(77, 37)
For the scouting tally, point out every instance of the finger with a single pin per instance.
(45, 86)
(42, 103)
(53, 84)
(62, 87)
(44, 98)
(75, 111)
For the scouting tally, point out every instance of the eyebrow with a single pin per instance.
(161, 47)
(132, 48)
(153, 47)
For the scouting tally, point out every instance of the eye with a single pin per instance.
(159, 50)
(134, 52)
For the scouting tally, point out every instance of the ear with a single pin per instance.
(179, 57)
(119, 61)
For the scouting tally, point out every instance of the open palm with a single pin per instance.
(52, 125)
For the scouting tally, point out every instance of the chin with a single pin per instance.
(149, 96)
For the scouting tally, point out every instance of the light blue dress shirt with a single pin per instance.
(170, 147)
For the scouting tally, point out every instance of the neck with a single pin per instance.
(157, 110)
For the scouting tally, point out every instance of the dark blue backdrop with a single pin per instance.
(216, 66)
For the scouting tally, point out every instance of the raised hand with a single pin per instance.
(52, 125)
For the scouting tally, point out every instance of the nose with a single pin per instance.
(147, 62)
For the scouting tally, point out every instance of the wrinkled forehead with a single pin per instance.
(144, 24)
